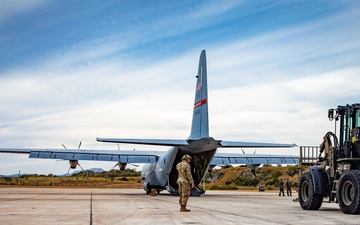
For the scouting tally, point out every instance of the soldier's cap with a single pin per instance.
(186, 157)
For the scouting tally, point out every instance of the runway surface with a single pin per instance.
(42, 206)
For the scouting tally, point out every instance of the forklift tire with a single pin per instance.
(348, 192)
(307, 198)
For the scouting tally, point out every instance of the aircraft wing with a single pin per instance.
(96, 155)
(236, 144)
(237, 158)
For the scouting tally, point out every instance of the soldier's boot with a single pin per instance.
(184, 209)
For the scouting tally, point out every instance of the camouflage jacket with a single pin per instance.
(184, 173)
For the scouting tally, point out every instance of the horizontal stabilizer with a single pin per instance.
(15, 150)
(236, 144)
(163, 142)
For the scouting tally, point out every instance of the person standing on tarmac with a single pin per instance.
(281, 186)
(185, 181)
(288, 187)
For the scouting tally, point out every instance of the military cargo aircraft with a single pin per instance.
(159, 170)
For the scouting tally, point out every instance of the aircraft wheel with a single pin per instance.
(147, 188)
(348, 192)
(307, 198)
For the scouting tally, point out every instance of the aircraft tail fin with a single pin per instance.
(200, 120)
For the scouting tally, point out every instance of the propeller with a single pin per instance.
(74, 163)
(121, 165)
(251, 167)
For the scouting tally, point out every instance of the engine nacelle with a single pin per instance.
(73, 163)
(122, 166)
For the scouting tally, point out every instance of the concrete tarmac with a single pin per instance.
(42, 206)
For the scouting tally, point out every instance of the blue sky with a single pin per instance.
(72, 71)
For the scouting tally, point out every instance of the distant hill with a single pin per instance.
(11, 176)
(94, 170)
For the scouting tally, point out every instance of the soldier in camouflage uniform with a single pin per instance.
(185, 181)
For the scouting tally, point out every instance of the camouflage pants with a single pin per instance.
(184, 191)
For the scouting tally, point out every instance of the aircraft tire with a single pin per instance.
(307, 198)
(147, 188)
(348, 192)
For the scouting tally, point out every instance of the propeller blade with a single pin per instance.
(68, 170)
(83, 170)
(114, 166)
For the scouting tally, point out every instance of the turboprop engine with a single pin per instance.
(73, 163)
(122, 166)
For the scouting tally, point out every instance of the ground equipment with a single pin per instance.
(336, 174)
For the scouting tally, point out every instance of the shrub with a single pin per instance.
(228, 187)
(123, 179)
(215, 187)
(266, 172)
(273, 181)
(276, 174)
(231, 187)
(292, 170)
(246, 181)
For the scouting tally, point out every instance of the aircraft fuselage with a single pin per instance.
(163, 174)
